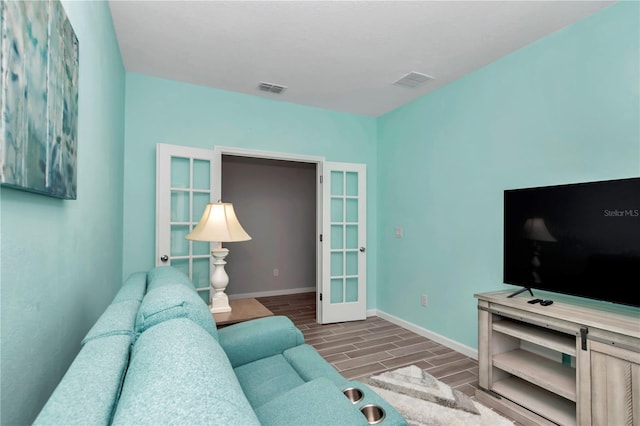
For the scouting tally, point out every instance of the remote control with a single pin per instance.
(546, 302)
(535, 301)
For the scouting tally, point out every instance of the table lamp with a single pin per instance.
(219, 224)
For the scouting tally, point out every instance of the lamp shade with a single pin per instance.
(535, 229)
(218, 223)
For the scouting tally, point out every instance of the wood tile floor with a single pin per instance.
(362, 348)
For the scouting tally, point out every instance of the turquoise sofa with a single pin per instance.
(155, 356)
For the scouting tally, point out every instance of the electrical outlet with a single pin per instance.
(276, 272)
(423, 300)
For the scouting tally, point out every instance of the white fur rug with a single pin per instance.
(424, 400)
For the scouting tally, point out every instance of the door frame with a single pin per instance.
(216, 174)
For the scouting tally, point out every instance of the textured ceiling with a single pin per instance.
(338, 55)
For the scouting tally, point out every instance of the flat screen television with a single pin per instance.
(578, 239)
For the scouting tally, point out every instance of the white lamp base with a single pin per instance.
(219, 302)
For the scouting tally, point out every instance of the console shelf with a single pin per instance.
(540, 336)
(557, 410)
(555, 377)
(564, 364)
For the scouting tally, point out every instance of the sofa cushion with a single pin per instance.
(310, 365)
(89, 390)
(167, 275)
(133, 288)
(174, 301)
(117, 319)
(317, 402)
(267, 378)
(179, 374)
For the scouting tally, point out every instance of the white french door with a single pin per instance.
(184, 186)
(343, 295)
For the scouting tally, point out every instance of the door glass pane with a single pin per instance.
(201, 174)
(182, 265)
(337, 183)
(200, 247)
(351, 263)
(351, 290)
(179, 245)
(352, 210)
(336, 264)
(336, 291)
(352, 183)
(336, 209)
(179, 172)
(351, 240)
(336, 236)
(179, 206)
(200, 201)
(200, 276)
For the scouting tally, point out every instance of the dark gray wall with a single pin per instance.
(275, 202)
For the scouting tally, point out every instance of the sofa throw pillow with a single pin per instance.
(167, 275)
(179, 375)
(133, 288)
(117, 319)
(174, 301)
(88, 392)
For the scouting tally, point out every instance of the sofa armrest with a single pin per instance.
(260, 338)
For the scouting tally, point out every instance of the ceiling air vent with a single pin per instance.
(413, 79)
(271, 88)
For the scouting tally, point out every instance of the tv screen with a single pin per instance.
(578, 239)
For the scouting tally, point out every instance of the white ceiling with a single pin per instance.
(338, 55)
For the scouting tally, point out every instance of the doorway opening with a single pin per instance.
(276, 202)
(270, 277)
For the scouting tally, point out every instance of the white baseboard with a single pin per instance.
(457, 346)
(272, 293)
(445, 341)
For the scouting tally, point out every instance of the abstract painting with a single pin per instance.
(39, 99)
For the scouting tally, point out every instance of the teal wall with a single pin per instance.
(61, 261)
(165, 111)
(563, 109)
